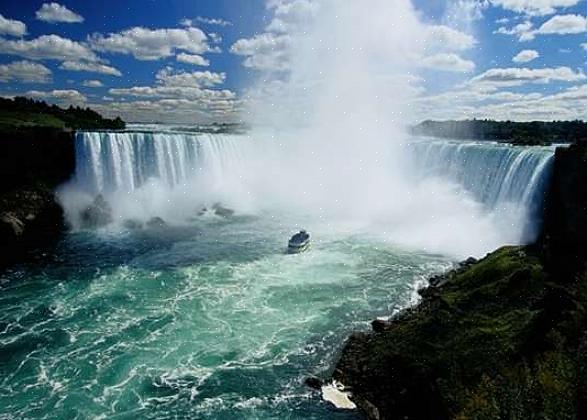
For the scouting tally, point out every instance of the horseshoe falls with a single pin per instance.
(205, 315)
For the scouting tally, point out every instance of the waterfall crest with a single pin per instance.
(469, 196)
(505, 179)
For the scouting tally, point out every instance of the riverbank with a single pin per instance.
(504, 337)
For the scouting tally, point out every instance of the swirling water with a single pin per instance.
(210, 318)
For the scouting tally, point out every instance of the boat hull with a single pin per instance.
(297, 249)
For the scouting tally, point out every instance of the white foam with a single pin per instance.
(334, 393)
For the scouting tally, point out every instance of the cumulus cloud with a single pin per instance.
(206, 21)
(61, 96)
(55, 12)
(152, 44)
(534, 7)
(270, 50)
(192, 79)
(47, 47)
(506, 77)
(11, 27)
(196, 60)
(90, 67)
(289, 16)
(448, 39)
(448, 62)
(526, 56)
(523, 31)
(559, 25)
(177, 96)
(564, 24)
(24, 71)
(266, 51)
(92, 83)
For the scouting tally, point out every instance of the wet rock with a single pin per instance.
(314, 382)
(11, 226)
(156, 222)
(380, 325)
(222, 211)
(133, 224)
(468, 262)
(97, 214)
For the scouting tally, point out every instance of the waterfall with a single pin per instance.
(505, 179)
(108, 162)
(448, 190)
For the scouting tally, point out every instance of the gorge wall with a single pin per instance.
(33, 162)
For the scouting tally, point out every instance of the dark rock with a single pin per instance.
(468, 262)
(97, 214)
(156, 222)
(564, 236)
(221, 211)
(29, 218)
(133, 224)
(314, 382)
(380, 325)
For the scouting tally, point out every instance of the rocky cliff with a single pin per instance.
(33, 161)
(502, 338)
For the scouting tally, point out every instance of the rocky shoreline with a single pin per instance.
(504, 337)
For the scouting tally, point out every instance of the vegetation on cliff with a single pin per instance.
(524, 133)
(502, 338)
(19, 113)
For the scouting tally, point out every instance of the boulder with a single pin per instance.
(97, 214)
(314, 382)
(222, 211)
(132, 224)
(156, 222)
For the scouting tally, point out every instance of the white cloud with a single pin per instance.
(505, 77)
(62, 96)
(90, 67)
(534, 7)
(526, 56)
(559, 25)
(266, 51)
(196, 60)
(448, 39)
(47, 47)
(213, 21)
(524, 31)
(194, 79)
(152, 44)
(54, 12)
(448, 62)
(584, 46)
(92, 83)
(290, 16)
(564, 24)
(11, 27)
(24, 71)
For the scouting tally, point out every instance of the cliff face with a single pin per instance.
(35, 156)
(565, 230)
(504, 337)
(32, 163)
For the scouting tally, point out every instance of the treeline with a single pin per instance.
(529, 133)
(26, 112)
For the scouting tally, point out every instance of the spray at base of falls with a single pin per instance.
(456, 198)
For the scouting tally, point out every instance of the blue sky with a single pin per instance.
(193, 60)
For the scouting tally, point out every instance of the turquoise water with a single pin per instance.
(206, 320)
